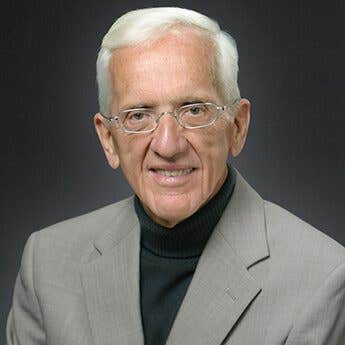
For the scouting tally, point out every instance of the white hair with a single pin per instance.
(147, 24)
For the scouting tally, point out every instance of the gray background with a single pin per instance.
(52, 166)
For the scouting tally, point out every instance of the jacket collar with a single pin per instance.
(221, 288)
(242, 224)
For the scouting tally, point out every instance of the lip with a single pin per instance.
(170, 167)
(171, 181)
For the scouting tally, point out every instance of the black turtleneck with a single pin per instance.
(168, 259)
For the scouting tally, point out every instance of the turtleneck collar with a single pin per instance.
(187, 238)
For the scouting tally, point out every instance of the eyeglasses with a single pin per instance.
(191, 116)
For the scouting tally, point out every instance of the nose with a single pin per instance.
(168, 139)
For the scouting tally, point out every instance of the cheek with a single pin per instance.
(212, 149)
(213, 145)
(132, 150)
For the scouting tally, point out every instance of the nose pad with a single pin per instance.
(168, 124)
(173, 122)
(168, 140)
(171, 113)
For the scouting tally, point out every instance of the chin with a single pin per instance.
(172, 211)
(169, 220)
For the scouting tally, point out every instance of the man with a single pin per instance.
(196, 257)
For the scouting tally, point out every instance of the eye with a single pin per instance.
(196, 110)
(136, 116)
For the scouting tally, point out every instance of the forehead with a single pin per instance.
(177, 64)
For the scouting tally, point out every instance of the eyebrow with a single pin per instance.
(191, 100)
(137, 105)
(176, 103)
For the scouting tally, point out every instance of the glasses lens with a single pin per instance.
(138, 120)
(199, 114)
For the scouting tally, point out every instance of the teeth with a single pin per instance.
(174, 172)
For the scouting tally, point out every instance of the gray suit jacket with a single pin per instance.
(264, 278)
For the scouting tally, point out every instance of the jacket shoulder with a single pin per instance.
(290, 239)
(73, 235)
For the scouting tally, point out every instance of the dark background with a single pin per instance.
(52, 166)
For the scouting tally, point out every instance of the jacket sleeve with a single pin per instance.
(24, 323)
(321, 320)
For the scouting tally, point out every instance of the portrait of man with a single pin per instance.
(195, 256)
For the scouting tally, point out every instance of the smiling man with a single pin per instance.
(172, 169)
(196, 256)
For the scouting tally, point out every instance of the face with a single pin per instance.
(174, 171)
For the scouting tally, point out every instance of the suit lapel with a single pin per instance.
(222, 287)
(220, 291)
(111, 283)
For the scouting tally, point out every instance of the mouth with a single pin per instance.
(171, 177)
(173, 173)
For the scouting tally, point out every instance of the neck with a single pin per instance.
(188, 237)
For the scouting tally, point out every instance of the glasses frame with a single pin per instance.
(174, 113)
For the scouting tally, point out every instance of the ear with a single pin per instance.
(106, 139)
(240, 127)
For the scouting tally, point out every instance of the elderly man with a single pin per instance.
(196, 256)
